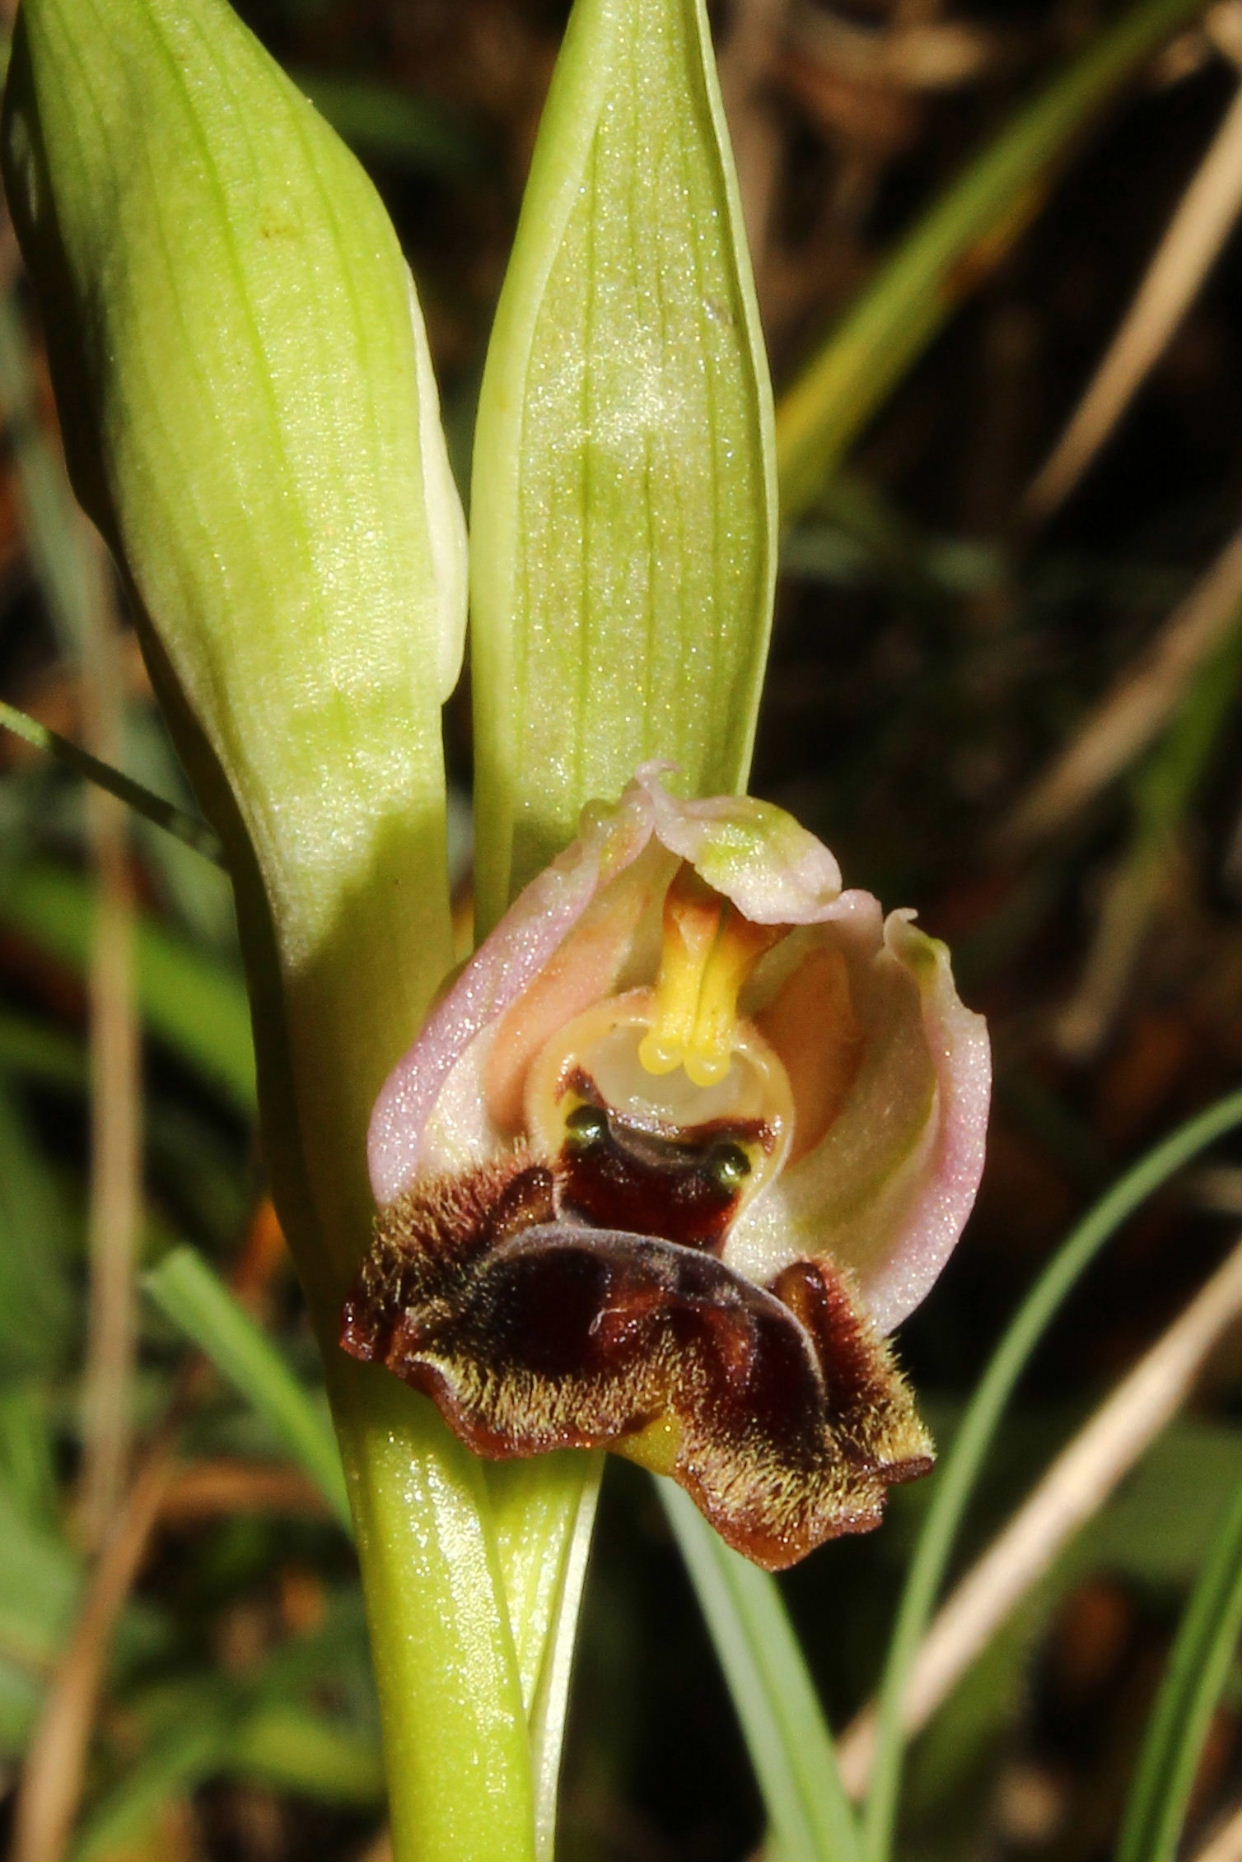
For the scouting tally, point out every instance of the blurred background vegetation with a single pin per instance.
(1002, 689)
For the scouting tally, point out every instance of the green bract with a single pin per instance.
(251, 419)
(623, 506)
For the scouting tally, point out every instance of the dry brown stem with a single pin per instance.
(116, 1092)
(1185, 255)
(55, 1767)
(205, 1490)
(1136, 709)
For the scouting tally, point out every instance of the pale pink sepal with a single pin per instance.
(887, 1190)
(898, 1279)
(503, 967)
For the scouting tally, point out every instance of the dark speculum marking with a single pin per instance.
(779, 1409)
(615, 1173)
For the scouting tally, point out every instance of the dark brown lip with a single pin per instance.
(657, 1182)
(787, 1419)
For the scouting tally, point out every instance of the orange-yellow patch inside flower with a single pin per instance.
(708, 952)
(814, 1030)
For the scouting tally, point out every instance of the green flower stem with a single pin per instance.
(958, 242)
(493, 1819)
(250, 418)
(456, 1749)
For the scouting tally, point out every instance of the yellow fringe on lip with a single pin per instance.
(656, 1447)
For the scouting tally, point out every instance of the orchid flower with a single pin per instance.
(692, 1131)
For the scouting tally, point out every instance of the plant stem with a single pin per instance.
(456, 1751)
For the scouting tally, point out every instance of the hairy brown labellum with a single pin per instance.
(778, 1408)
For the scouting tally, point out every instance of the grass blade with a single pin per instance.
(195, 1299)
(37, 1319)
(1017, 1564)
(954, 247)
(1205, 1646)
(290, 1747)
(54, 529)
(958, 1473)
(131, 1810)
(785, 1731)
(186, 827)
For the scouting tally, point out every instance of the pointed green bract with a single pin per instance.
(622, 557)
(623, 497)
(251, 419)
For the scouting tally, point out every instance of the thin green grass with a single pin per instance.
(774, 1697)
(195, 1299)
(178, 822)
(952, 248)
(959, 1473)
(1205, 1648)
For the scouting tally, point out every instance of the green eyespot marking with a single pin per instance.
(585, 1127)
(728, 1166)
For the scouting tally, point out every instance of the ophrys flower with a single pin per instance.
(689, 1134)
